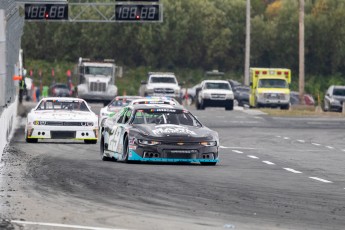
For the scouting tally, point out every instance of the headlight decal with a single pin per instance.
(209, 143)
(148, 142)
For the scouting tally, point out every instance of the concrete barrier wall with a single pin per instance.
(8, 122)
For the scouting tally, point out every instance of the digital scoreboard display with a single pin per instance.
(46, 11)
(137, 12)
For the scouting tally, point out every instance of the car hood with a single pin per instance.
(63, 115)
(163, 85)
(218, 91)
(167, 131)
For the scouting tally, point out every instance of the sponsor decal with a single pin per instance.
(133, 147)
(172, 129)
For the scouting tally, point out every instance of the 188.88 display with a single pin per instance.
(46, 11)
(137, 12)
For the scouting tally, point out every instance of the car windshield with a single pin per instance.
(165, 116)
(217, 85)
(98, 70)
(272, 83)
(339, 92)
(61, 86)
(120, 102)
(160, 79)
(62, 105)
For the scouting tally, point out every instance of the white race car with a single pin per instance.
(62, 118)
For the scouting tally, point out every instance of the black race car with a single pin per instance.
(157, 133)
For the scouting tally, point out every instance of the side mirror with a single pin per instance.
(251, 84)
(143, 82)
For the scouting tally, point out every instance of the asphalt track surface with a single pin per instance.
(275, 173)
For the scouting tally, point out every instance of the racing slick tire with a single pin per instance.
(30, 140)
(103, 156)
(125, 152)
(90, 141)
(208, 163)
(229, 105)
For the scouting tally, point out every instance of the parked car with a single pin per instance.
(59, 90)
(294, 99)
(334, 98)
(241, 94)
(189, 96)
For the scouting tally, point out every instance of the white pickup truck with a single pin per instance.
(214, 93)
(161, 84)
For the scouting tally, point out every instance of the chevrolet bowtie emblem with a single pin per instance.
(180, 143)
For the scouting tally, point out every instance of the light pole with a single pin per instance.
(247, 48)
(301, 51)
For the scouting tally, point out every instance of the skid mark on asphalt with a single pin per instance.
(67, 226)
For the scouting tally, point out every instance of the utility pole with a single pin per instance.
(301, 51)
(247, 48)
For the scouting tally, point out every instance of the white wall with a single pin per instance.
(8, 120)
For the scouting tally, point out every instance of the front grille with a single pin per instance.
(164, 90)
(62, 134)
(278, 96)
(217, 96)
(63, 123)
(98, 86)
(180, 143)
(181, 153)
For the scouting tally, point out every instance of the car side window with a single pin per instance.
(121, 115)
(127, 116)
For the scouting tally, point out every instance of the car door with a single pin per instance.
(113, 132)
(121, 128)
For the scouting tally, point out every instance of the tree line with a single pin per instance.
(205, 34)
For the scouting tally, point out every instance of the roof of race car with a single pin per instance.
(157, 106)
(61, 99)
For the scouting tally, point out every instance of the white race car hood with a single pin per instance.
(62, 115)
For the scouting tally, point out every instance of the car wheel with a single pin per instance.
(30, 140)
(230, 105)
(202, 105)
(285, 107)
(90, 141)
(208, 163)
(103, 156)
(125, 152)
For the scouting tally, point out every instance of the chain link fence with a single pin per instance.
(11, 29)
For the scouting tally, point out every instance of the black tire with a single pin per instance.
(31, 140)
(208, 163)
(125, 150)
(90, 141)
(285, 107)
(230, 105)
(103, 157)
(202, 105)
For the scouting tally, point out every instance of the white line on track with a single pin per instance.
(278, 136)
(302, 141)
(286, 138)
(268, 162)
(322, 180)
(234, 147)
(292, 170)
(237, 151)
(251, 156)
(330, 147)
(317, 144)
(62, 225)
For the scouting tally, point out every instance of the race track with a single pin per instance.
(275, 173)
